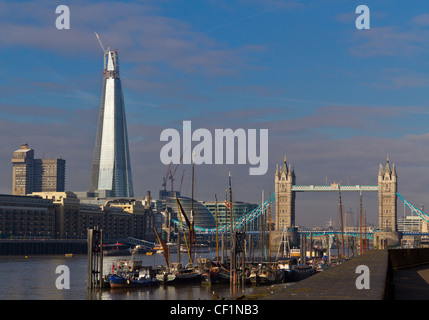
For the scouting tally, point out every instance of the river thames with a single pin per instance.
(34, 278)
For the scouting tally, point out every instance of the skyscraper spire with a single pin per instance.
(111, 169)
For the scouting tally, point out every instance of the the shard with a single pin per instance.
(111, 170)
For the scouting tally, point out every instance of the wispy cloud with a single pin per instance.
(145, 36)
(389, 41)
(399, 78)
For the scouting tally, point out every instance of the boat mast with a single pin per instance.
(225, 231)
(365, 234)
(360, 223)
(243, 264)
(217, 236)
(269, 231)
(341, 219)
(262, 233)
(232, 262)
(181, 212)
(192, 244)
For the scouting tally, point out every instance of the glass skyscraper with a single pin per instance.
(111, 170)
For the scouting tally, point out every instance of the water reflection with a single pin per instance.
(33, 278)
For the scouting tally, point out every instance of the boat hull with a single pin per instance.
(297, 274)
(263, 280)
(120, 282)
(266, 277)
(182, 278)
(215, 277)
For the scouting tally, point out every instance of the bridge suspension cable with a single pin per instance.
(255, 213)
(238, 223)
(418, 212)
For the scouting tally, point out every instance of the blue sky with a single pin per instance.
(336, 100)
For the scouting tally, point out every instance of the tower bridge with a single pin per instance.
(286, 189)
(283, 201)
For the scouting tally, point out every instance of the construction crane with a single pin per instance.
(164, 179)
(172, 177)
(99, 41)
(104, 52)
(181, 182)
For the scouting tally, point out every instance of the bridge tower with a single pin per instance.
(284, 179)
(387, 207)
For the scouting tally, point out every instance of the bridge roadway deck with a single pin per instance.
(336, 283)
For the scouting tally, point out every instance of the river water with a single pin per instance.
(34, 278)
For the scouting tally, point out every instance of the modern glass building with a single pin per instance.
(239, 209)
(111, 169)
(202, 216)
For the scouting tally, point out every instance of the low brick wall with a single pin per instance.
(403, 258)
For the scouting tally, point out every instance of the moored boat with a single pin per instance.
(180, 275)
(139, 249)
(216, 275)
(264, 275)
(320, 266)
(116, 249)
(197, 248)
(287, 267)
(172, 248)
(128, 274)
(304, 271)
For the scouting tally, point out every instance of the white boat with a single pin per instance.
(172, 247)
(199, 248)
(265, 275)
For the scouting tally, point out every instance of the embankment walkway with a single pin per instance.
(394, 274)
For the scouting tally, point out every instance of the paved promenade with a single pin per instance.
(336, 283)
(339, 283)
(412, 283)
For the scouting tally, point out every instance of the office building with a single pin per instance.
(36, 175)
(111, 169)
(26, 217)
